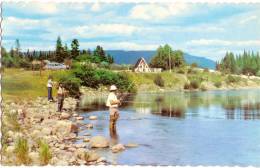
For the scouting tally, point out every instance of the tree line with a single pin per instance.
(16, 58)
(247, 63)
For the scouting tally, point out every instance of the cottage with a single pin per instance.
(142, 66)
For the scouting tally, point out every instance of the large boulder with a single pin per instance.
(64, 127)
(99, 142)
(118, 148)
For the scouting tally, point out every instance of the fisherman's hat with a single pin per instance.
(113, 87)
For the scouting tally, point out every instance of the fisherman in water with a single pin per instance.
(113, 103)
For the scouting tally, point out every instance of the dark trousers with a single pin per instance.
(60, 103)
(50, 93)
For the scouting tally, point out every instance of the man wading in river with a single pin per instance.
(112, 103)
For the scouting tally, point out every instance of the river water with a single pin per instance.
(183, 128)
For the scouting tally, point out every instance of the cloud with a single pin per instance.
(217, 42)
(120, 45)
(95, 7)
(38, 7)
(105, 30)
(157, 11)
(248, 19)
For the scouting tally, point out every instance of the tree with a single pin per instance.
(17, 48)
(59, 50)
(166, 58)
(99, 55)
(74, 49)
(66, 52)
(110, 59)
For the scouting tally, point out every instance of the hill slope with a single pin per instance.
(130, 57)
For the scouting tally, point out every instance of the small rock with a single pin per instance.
(80, 118)
(34, 156)
(99, 142)
(74, 128)
(64, 116)
(72, 149)
(101, 159)
(86, 140)
(82, 145)
(93, 117)
(131, 145)
(75, 115)
(89, 126)
(80, 153)
(46, 131)
(91, 156)
(118, 148)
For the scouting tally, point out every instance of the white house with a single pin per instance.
(142, 66)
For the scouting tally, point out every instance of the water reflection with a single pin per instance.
(234, 104)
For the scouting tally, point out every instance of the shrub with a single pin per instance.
(158, 80)
(232, 79)
(93, 78)
(181, 71)
(44, 153)
(194, 84)
(203, 87)
(12, 121)
(194, 65)
(218, 84)
(70, 82)
(258, 73)
(206, 70)
(22, 151)
(186, 86)
(191, 71)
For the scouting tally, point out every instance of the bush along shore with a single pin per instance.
(35, 134)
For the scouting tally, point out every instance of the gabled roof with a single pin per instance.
(139, 61)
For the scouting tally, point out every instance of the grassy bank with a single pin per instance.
(19, 84)
(195, 79)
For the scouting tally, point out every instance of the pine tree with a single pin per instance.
(59, 50)
(74, 49)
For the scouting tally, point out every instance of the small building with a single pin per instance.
(142, 66)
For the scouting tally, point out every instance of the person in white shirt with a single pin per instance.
(113, 103)
(49, 86)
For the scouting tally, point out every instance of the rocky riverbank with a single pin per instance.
(37, 120)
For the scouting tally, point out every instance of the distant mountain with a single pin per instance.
(130, 57)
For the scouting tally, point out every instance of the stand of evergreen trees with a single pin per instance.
(247, 63)
(16, 58)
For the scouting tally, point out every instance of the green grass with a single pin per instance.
(18, 84)
(44, 153)
(22, 151)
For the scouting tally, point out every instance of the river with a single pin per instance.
(183, 128)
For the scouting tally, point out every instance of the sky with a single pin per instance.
(201, 29)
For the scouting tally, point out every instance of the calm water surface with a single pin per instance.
(177, 128)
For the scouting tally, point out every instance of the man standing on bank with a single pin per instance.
(113, 103)
(49, 86)
(60, 96)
